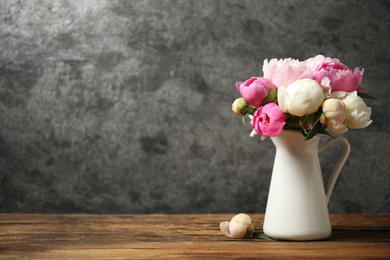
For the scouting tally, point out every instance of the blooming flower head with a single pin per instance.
(358, 112)
(286, 71)
(255, 90)
(341, 78)
(300, 98)
(334, 115)
(308, 96)
(269, 120)
(239, 227)
(313, 63)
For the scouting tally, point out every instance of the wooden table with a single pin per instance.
(47, 236)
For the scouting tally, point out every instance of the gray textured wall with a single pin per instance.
(125, 106)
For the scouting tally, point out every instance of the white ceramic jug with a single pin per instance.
(297, 207)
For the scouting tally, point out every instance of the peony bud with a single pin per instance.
(236, 109)
(269, 120)
(302, 97)
(239, 227)
(307, 122)
(358, 112)
(255, 90)
(334, 115)
(240, 107)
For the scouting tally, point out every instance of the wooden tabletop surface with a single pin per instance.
(76, 236)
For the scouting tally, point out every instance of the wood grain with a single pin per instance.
(46, 236)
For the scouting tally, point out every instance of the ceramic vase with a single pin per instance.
(297, 206)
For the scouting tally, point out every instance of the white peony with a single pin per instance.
(358, 112)
(301, 97)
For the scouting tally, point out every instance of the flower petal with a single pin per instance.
(224, 226)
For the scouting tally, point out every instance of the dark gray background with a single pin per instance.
(125, 106)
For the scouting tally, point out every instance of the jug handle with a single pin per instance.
(340, 163)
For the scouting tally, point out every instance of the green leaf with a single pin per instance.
(316, 129)
(365, 95)
(323, 131)
(253, 221)
(260, 235)
(243, 119)
(318, 114)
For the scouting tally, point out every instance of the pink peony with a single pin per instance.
(313, 63)
(284, 72)
(269, 120)
(255, 90)
(341, 78)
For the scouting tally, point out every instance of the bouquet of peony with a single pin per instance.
(312, 96)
